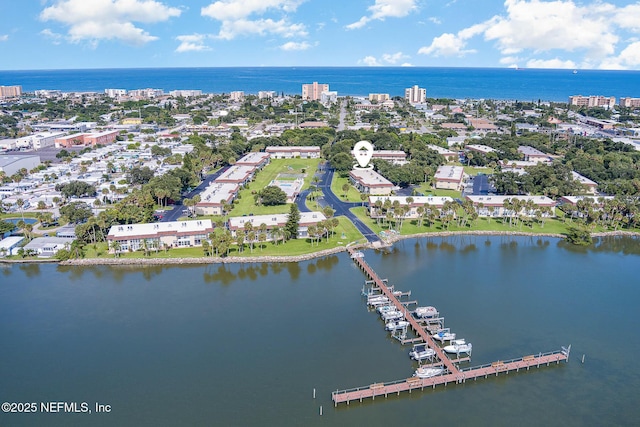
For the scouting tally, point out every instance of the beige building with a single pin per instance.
(449, 177)
(494, 206)
(313, 91)
(593, 101)
(215, 196)
(415, 95)
(379, 97)
(370, 182)
(304, 152)
(426, 202)
(174, 234)
(10, 91)
(274, 221)
(630, 102)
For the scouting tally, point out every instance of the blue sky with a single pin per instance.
(51, 34)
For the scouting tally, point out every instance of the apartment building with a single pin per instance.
(415, 95)
(593, 101)
(313, 91)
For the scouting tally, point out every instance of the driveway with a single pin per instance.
(176, 212)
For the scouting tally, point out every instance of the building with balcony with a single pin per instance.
(313, 91)
(449, 177)
(273, 221)
(371, 182)
(304, 152)
(157, 236)
(415, 95)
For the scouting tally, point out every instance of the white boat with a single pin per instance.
(457, 347)
(421, 352)
(443, 336)
(378, 300)
(392, 315)
(428, 371)
(357, 255)
(426, 312)
(395, 325)
(385, 308)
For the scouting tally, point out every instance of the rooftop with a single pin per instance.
(152, 229)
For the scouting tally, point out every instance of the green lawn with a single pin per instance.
(353, 195)
(410, 226)
(245, 201)
(427, 190)
(473, 171)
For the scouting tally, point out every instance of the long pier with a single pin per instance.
(454, 375)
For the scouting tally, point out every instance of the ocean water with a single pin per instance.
(245, 345)
(458, 83)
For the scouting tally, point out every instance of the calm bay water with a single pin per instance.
(460, 83)
(246, 344)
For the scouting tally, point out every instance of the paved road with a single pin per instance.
(342, 208)
(177, 210)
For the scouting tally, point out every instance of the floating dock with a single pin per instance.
(454, 375)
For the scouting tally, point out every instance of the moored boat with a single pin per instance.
(443, 336)
(397, 324)
(421, 352)
(458, 346)
(428, 371)
(426, 312)
(392, 315)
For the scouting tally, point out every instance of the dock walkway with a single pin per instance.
(454, 375)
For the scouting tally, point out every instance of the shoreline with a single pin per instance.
(297, 258)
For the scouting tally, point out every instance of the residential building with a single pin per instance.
(449, 177)
(304, 152)
(12, 164)
(630, 102)
(313, 91)
(146, 93)
(415, 95)
(10, 91)
(215, 196)
(481, 125)
(573, 200)
(589, 185)
(47, 247)
(257, 160)
(479, 148)
(593, 101)
(266, 94)
(274, 221)
(379, 97)
(115, 93)
(237, 174)
(86, 139)
(329, 96)
(185, 93)
(174, 234)
(10, 245)
(40, 140)
(397, 157)
(444, 152)
(426, 202)
(533, 155)
(494, 206)
(370, 182)
(236, 96)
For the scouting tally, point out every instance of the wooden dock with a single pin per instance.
(454, 375)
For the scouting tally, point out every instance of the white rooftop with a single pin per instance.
(481, 148)
(253, 158)
(236, 173)
(583, 179)
(449, 173)
(274, 219)
(499, 200)
(216, 192)
(369, 177)
(151, 229)
(417, 200)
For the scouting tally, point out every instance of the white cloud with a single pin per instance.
(551, 63)
(234, 14)
(446, 45)
(108, 19)
(192, 43)
(434, 20)
(383, 9)
(54, 37)
(370, 61)
(406, 64)
(295, 46)
(229, 10)
(385, 59)
(4, 37)
(243, 27)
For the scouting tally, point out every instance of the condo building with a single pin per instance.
(415, 95)
(313, 91)
(593, 101)
(10, 91)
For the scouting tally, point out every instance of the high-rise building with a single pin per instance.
(236, 95)
(313, 91)
(10, 91)
(266, 94)
(593, 101)
(415, 95)
(115, 93)
(630, 102)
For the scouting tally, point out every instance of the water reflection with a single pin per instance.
(30, 270)
(626, 245)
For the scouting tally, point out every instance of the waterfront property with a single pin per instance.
(274, 221)
(426, 202)
(172, 234)
(368, 181)
(215, 197)
(502, 206)
(449, 177)
(47, 247)
(10, 245)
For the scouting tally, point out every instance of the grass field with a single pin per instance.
(245, 201)
(427, 190)
(353, 195)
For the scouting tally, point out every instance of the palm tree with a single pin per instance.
(20, 204)
(363, 197)
(345, 189)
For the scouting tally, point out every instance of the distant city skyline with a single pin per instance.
(71, 34)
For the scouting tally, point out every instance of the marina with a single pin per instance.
(423, 322)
